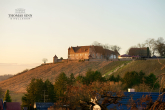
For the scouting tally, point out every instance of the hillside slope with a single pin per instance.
(4, 77)
(147, 66)
(19, 82)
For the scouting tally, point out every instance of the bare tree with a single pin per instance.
(115, 48)
(160, 46)
(105, 46)
(151, 43)
(95, 43)
(142, 45)
(44, 60)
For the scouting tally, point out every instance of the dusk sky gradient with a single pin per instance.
(58, 24)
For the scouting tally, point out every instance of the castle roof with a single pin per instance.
(55, 56)
(98, 49)
(80, 49)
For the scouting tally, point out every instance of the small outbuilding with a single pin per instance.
(125, 56)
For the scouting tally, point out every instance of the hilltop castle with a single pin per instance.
(91, 52)
(88, 52)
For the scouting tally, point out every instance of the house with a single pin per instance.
(91, 52)
(43, 105)
(132, 98)
(141, 52)
(125, 56)
(9, 105)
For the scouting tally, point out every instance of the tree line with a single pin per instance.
(156, 46)
(81, 87)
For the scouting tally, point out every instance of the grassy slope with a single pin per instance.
(112, 66)
(147, 66)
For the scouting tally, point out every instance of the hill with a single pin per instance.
(19, 82)
(147, 66)
(4, 77)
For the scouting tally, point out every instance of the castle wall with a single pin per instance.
(83, 55)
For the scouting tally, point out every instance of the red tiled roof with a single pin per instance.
(1, 104)
(13, 106)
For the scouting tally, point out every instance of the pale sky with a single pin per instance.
(57, 24)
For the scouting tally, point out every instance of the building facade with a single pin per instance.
(94, 52)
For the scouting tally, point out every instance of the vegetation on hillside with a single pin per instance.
(112, 66)
(155, 46)
(36, 92)
(79, 91)
(147, 66)
(7, 97)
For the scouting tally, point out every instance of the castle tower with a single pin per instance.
(55, 59)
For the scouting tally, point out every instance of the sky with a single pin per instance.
(58, 24)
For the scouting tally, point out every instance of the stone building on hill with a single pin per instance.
(91, 52)
(142, 52)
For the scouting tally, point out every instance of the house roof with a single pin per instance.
(13, 106)
(1, 104)
(124, 102)
(81, 49)
(138, 51)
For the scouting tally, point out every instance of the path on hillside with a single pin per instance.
(116, 69)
